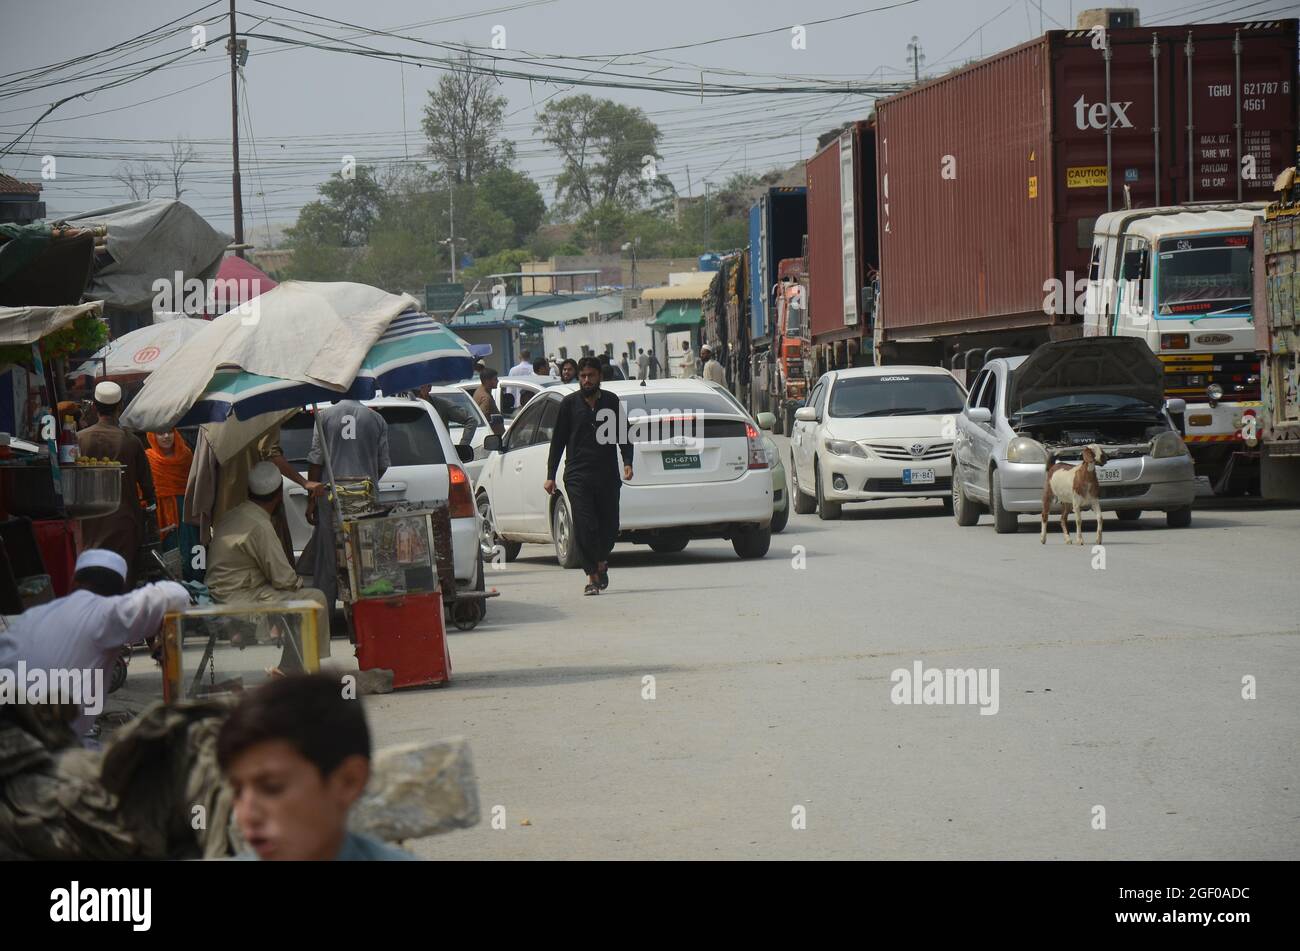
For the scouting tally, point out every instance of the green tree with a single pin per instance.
(517, 197)
(462, 121)
(344, 214)
(607, 151)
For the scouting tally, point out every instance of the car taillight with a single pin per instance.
(460, 498)
(757, 455)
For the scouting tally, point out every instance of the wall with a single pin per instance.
(617, 332)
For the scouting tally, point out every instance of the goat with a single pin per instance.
(1074, 487)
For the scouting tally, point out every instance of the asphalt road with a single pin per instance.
(1119, 688)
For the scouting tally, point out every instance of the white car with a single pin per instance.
(719, 487)
(874, 433)
(512, 393)
(464, 421)
(425, 467)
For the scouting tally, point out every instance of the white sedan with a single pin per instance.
(874, 433)
(512, 393)
(715, 482)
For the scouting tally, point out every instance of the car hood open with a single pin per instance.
(1120, 366)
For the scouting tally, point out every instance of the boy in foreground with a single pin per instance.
(297, 754)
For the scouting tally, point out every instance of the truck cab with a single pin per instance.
(1179, 278)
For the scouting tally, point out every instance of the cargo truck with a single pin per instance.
(991, 179)
(1277, 325)
(778, 222)
(1179, 278)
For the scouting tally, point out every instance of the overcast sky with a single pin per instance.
(307, 108)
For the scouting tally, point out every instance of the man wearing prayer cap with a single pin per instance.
(123, 530)
(84, 630)
(246, 562)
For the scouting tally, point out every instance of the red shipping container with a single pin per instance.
(991, 177)
(404, 634)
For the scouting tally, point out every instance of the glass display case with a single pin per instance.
(230, 648)
(393, 555)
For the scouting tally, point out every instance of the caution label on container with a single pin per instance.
(1086, 176)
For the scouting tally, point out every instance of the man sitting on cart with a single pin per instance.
(246, 562)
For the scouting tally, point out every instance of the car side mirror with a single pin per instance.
(1176, 406)
(465, 453)
(492, 443)
(805, 414)
(766, 421)
(979, 414)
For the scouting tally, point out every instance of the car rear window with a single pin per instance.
(685, 402)
(412, 437)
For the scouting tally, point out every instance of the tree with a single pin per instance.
(607, 152)
(344, 215)
(182, 154)
(141, 179)
(462, 121)
(517, 197)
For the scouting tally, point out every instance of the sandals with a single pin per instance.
(591, 588)
(604, 579)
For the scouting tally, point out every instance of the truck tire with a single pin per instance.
(1179, 518)
(1004, 522)
(826, 511)
(803, 504)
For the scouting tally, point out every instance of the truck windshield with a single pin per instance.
(896, 395)
(1204, 275)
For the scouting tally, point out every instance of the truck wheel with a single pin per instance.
(826, 511)
(753, 542)
(1179, 518)
(1004, 522)
(803, 504)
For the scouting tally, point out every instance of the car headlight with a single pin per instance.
(845, 447)
(1026, 450)
(1167, 445)
(1214, 392)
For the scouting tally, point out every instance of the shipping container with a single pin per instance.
(778, 222)
(1276, 251)
(843, 248)
(991, 178)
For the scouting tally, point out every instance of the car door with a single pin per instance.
(962, 447)
(801, 439)
(983, 436)
(508, 486)
(535, 503)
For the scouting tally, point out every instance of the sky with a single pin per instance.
(305, 110)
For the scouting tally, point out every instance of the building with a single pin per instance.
(20, 202)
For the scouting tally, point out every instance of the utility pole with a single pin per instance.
(916, 58)
(233, 47)
(451, 239)
(706, 215)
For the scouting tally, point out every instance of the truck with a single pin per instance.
(778, 222)
(991, 179)
(1179, 278)
(843, 248)
(1276, 248)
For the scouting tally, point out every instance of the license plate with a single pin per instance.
(1105, 474)
(918, 477)
(681, 460)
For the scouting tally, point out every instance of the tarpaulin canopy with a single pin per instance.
(25, 325)
(238, 281)
(149, 240)
(142, 351)
(695, 287)
(679, 314)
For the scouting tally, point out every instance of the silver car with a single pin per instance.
(1062, 397)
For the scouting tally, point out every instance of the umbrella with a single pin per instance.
(299, 343)
(142, 351)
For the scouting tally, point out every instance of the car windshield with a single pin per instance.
(412, 437)
(1077, 404)
(1204, 275)
(896, 395)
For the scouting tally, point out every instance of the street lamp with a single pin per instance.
(632, 246)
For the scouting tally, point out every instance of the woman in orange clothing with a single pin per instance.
(169, 461)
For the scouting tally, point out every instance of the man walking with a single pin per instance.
(589, 436)
(525, 365)
(713, 370)
(123, 530)
(654, 364)
(642, 364)
(487, 382)
(688, 360)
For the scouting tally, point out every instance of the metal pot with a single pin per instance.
(88, 491)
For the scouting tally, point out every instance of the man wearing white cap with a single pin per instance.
(123, 530)
(84, 630)
(712, 369)
(246, 561)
